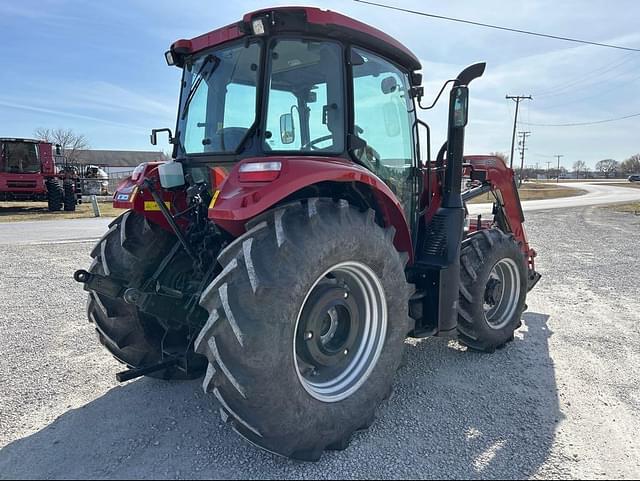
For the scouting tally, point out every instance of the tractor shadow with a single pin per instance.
(453, 414)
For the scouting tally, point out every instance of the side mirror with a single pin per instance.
(154, 135)
(460, 112)
(287, 129)
(389, 85)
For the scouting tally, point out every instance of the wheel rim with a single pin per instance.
(502, 293)
(340, 331)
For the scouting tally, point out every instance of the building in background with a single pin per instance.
(117, 164)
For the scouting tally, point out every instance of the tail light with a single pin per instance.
(138, 171)
(259, 171)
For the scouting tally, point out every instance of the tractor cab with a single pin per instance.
(24, 167)
(19, 156)
(300, 83)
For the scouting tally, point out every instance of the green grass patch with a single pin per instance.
(22, 211)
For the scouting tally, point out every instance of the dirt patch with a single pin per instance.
(534, 191)
(20, 211)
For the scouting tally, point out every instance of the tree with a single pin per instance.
(501, 155)
(71, 142)
(631, 165)
(579, 166)
(607, 167)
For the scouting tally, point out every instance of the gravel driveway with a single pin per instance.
(561, 401)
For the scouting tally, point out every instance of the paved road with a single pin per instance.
(596, 195)
(562, 401)
(48, 231)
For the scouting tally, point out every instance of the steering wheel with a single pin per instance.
(311, 144)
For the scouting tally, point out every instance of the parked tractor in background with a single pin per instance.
(302, 231)
(30, 171)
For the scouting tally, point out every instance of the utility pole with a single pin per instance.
(548, 164)
(516, 99)
(522, 143)
(558, 178)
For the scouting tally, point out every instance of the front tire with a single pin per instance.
(271, 325)
(493, 290)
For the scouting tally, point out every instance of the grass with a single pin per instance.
(633, 185)
(536, 191)
(21, 211)
(630, 208)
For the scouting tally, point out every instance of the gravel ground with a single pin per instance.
(562, 401)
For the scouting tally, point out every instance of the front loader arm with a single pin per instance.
(492, 175)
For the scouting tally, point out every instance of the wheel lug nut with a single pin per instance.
(308, 336)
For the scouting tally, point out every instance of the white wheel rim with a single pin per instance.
(504, 298)
(361, 281)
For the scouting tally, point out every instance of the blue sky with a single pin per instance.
(98, 68)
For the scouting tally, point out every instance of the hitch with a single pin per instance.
(100, 284)
(130, 374)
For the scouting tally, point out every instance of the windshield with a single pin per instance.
(19, 158)
(218, 105)
(305, 110)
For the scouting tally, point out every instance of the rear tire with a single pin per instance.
(254, 338)
(493, 290)
(55, 195)
(130, 251)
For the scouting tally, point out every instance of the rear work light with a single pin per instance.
(259, 171)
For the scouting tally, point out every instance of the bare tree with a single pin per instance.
(631, 165)
(578, 166)
(607, 167)
(70, 142)
(501, 155)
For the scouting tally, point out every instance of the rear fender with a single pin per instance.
(236, 202)
(131, 194)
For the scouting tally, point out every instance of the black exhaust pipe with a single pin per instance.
(443, 237)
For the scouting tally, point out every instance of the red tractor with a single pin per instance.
(28, 171)
(302, 232)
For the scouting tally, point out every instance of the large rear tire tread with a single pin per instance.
(70, 199)
(55, 195)
(479, 254)
(253, 305)
(132, 337)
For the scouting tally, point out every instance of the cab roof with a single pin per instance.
(14, 139)
(305, 20)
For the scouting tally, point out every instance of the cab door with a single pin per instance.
(384, 120)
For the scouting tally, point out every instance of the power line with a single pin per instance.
(598, 94)
(588, 78)
(497, 27)
(579, 124)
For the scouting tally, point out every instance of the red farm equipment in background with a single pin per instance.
(29, 171)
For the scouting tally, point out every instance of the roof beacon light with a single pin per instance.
(258, 26)
(169, 58)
